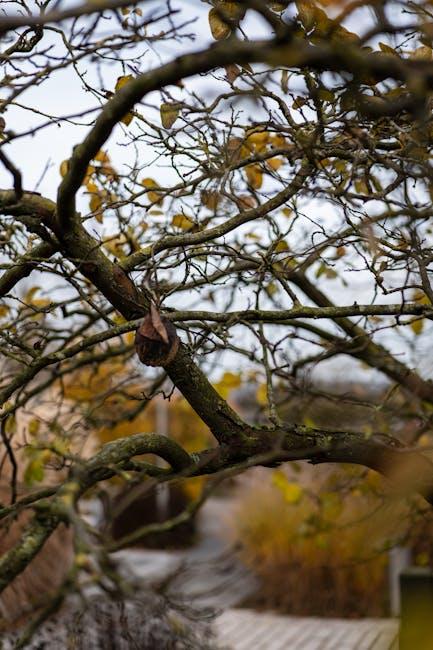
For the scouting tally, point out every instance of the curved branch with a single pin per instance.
(25, 265)
(410, 468)
(49, 514)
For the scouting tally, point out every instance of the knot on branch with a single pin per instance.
(156, 339)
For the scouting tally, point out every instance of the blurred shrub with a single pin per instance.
(321, 552)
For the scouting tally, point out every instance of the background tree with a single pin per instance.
(257, 206)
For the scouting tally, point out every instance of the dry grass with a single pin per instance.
(318, 551)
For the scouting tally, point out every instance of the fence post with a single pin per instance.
(399, 560)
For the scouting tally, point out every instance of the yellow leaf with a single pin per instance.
(258, 138)
(387, 48)
(154, 197)
(95, 205)
(281, 246)
(278, 140)
(122, 81)
(223, 16)
(92, 188)
(10, 425)
(219, 29)
(152, 194)
(254, 176)
(89, 173)
(271, 289)
(299, 102)
(149, 183)
(61, 447)
(169, 114)
(41, 303)
(182, 221)
(127, 118)
(102, 157)
(262, 395)
(424, 440)
(287, 212)
(64, 166)
(307, 12)
(95, 202)
(361, 186)
(231, 11)
(326, 95)
(292, 492)
(34, 426)
(231, 379)
(228, 382)
(420, 297)
(417, 326)
(115, 245)
(274, 163)
(4, 310)
(30, 295)
(423, 53)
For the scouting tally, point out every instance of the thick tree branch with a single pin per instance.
(329, 312)
(409, 468)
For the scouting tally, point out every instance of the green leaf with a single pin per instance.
(34, 472)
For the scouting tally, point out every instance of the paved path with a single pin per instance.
(208, 573)
(241, 629)
(210, 576)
